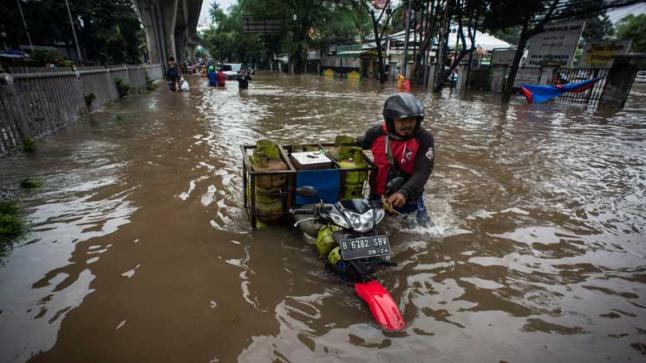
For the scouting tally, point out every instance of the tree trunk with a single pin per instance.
(442, 47)
(298, 60)
(404, 67)
(509, 84)
(380, 55)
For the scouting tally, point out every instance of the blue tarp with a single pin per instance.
(536, 93)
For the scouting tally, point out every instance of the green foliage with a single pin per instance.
(511, 35)
(597, 28)
(109, 31)
(30, 183)
(11, 224)
(28, 145)
(42, 57)
(225, 40)
(307, 24)
(9, 207)
(122, 87)
(633, 27)
(89, 98)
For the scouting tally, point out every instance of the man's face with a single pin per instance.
(405, 127)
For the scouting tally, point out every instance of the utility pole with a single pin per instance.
(22, 15)
(76, 41)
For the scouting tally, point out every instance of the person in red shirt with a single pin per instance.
(222, 78)
(402, 149)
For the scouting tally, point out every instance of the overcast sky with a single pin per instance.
(614, 15)
(206, 5)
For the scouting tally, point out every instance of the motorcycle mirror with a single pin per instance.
(307, 191)
(394, 184)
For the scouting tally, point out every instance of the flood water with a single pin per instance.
(139, 249)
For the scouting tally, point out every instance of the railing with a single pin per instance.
(553, 76)
(35, 102)
(571, 75)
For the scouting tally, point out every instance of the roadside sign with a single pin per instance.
(268, 26)
(602, 54)
(555, 45)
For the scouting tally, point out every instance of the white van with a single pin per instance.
(231, 69)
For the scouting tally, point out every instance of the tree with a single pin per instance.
(534, 15)
(430, 15)
(109, 30)
(633, 27)
(225, 39)
(379, 26)
(511, 35)
(597, 28)
(467, 14)
(306, 25)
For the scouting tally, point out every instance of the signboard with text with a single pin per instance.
(556, 45)
(267, 26)
(602, 54)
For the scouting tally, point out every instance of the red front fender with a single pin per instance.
(382, 306)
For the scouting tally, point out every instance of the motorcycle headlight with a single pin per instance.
(362, 222)
(339, 220)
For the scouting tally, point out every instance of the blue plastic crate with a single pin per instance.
(326, 181)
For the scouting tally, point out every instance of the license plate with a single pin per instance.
(364, 247)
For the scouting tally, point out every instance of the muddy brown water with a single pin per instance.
(139, 249)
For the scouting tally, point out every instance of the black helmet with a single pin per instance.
(402, 105)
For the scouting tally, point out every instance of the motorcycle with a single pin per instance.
(346, 234)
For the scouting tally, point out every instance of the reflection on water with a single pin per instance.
(139, 248)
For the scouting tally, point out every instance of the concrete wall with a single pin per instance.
(33, 105)
(336, 62)
(620, 79)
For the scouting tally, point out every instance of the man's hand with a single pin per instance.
(397, 200)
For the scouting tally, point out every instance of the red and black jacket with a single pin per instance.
(414, 158)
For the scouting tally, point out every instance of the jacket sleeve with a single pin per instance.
(369, 137)
(424, 162)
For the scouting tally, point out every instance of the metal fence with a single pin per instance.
(571, 75)
(35, 102)
(554, 76)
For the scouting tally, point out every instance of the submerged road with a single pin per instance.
(139, 250)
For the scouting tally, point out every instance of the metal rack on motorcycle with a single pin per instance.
(337, 172)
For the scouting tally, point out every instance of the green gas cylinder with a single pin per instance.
(324, 240)
(268, 191)
(353, 181)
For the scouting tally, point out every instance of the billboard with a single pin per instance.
(268, 26)
(602, 54)
(555, 45)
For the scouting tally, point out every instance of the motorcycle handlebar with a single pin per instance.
(301, 211)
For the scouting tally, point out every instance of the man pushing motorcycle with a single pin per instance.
(402, 149)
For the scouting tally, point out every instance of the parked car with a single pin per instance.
(641, 77)
(231, 70)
